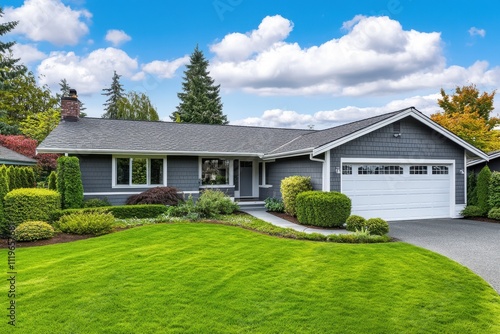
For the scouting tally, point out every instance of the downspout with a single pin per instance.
(325, 170)
(315, 159)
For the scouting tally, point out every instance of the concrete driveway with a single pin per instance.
(473, 244)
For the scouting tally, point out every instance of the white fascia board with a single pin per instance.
(289, 154)
(145, 153)
(410, 112)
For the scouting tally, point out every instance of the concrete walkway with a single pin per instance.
(267, 217)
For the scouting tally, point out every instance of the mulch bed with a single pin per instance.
(57, 239)
(294, 220)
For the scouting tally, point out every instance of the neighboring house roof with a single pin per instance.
(100, 136)
(491, 155)
(9, 157)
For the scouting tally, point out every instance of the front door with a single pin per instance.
(246, 178)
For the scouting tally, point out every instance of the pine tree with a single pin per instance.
(200, 100)
(115, 92)
(9, 68)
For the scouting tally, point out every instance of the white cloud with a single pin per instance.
(49, 20)
(27, 52)
(376, 55)
(328, 118)
(87, 74)
(237, 46)
(477, 32)
(164, 69)
(117, 37)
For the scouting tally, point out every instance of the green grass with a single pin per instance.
(208, 278)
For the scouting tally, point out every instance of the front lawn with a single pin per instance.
(207, 278)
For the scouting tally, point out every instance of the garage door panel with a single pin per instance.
(398, 196)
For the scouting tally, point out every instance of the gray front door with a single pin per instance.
(246, 182)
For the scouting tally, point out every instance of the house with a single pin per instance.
(399, 165)
(493, 162)
(9, 157)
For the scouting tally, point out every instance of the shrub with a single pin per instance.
(53, 181)
(473, 211)
(494, 190)
(96, 203)
(33, 230)
(4, 189)
(120, 211)
(61, 162)
(96, 223)
(187, 208)
(213, 203)
(158, 195)
(494, 213)
(274, 204)
(12, 176)
(327, 209)
(377, 226)
(355, 223)
(29, 204)
(292, 186)
(73, 188)
(31, 177)
(483, 186)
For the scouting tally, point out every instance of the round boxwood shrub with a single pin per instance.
(292, 186)
(33, 230)
(377, 226)
(26, 204)
(326, 209)
(354, 223)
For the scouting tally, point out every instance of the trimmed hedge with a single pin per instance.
(494, 190)
(120, 212)
(33, 230)
(26, 204)
(326, 209)
(377, 226)
(483, 189)
(96, 223)
(96, 203)
(355, 223)
(292, 186)
(4, 189)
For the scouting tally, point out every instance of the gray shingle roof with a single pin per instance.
(119, 136)
(10, 157)
(90, 134)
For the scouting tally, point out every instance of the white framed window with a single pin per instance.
(347, 169)
(439, 170)
(139, 171)
(418, 170)
(392, 170)
(215, 171)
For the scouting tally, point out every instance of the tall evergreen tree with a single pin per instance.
(114, 93)
(9, 67)
(200, 100)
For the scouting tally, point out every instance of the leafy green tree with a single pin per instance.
(199, 101)
(136, 106)
(24, 99)
(114, 93)
(9, 67)
(39, 125)
(467, 113)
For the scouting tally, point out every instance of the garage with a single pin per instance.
(399, 191)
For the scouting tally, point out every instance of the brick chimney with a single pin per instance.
(70, 107)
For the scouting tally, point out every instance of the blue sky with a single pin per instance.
(279, 63)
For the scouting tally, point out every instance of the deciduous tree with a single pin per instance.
(39, 125)
(136, 106)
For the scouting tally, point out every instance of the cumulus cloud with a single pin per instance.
(117, 37)
(49, 20)
(328, 118)
(164, 69)
(28, 53)
(477, 32)
(87, 74)
(237, 46)
(376, 55)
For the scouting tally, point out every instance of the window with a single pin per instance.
(439, 170)
(418, 170)
(346, 169)
(392, 170)
(214, 171)
(139, 171)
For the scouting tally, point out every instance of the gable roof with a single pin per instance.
(9, 157)
(106, 136)
(491, 155)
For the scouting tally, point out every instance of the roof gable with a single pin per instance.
(10, 157)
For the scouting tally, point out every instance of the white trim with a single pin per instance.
(148, 171)
(255, 180)
(465, 177)
(410, 112)
(290, 154)
(327, 172)
(452, 172)
(112, 193)
(265, 186)
(189, 192)
(147, 153)
(208, 186)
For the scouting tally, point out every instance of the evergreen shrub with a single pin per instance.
(326, 209)
(292, 186)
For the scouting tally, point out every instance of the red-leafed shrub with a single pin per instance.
(158, 195)
(27, 147)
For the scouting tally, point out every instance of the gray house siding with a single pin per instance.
(278, 170)
(494, 165)
(182, 173)
(416, 142)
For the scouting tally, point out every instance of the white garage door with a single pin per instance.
(398, 191)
